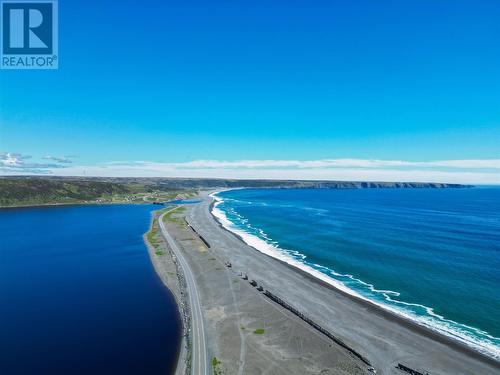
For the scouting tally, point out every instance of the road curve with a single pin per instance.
(199, 364)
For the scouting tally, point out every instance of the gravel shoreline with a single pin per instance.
(376, 309)
(385, 338)
(168, 270)
(234, 311)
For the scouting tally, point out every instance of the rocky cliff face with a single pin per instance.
(286, 184)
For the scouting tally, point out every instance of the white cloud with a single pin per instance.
(63, 159)
(481, 171)
(337, 163)
(452, 171)
(15, 163)
(12, 159)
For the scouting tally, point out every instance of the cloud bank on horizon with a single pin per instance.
(478, 171)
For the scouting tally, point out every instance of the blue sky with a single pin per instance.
(161, 83)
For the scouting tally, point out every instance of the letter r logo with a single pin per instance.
(27, 28)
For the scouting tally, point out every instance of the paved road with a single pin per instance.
(199, 364)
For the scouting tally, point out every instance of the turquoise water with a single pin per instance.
(432, 255)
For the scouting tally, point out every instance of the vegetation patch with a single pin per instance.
(153, 235)
(169, 216)
(259, 331)
(216, 366)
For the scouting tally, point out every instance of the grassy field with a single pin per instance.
(153, 236)
(38, 191)
(172, 215)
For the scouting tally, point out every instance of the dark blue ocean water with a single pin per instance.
(430, 254)
(78, 294)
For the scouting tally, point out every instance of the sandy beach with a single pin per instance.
(249, 333)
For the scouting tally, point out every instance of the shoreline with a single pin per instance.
(176, 291)
(364, 302)
(70, 204)
(232, 315)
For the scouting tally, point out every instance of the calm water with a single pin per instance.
(78, 294)
(432, 255)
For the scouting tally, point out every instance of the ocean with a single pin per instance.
(78, 294)
(431, 255)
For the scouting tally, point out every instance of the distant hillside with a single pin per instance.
(38, 191)
(25, 191)
(187, 183)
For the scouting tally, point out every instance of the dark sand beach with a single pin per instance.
(234, 310)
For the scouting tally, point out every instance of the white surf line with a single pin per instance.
(198, 346)
(432, 321)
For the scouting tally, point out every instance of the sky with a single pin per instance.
(346, 90)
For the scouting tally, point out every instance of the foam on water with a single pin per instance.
(423, 315)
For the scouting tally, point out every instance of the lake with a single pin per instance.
(78, 293)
